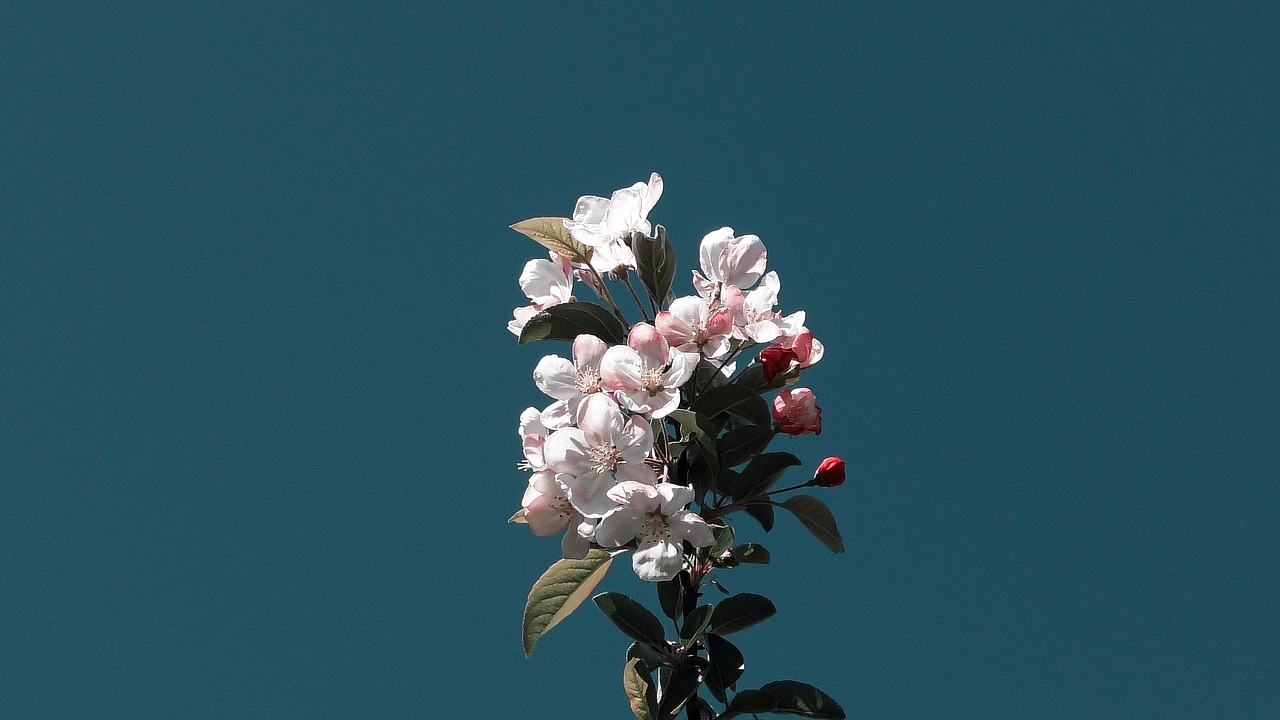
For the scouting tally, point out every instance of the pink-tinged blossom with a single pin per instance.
(613, 257)
(645, 375)
(546, 283)
(796, 412)
(656, 518)
(728, 260)
(533, 435)
(753, 314)
(606, 448)
(570, 382)
(806, 347)
(692, 326)
(598, 222)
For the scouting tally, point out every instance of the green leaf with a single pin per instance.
(569, 320)
(639, 690)
(706, 374)
(817, 519)
(797, 698)
(560, 591)
(550, 233)
(743, 443)
(631, 617)
(649, 657)
(669, 592)
(748, 702)
(655, 263)
(740, 611)
(763, 513)
(696, 428)
(721, 404)
(751, 553)
(724, 541)
(753, 377)
(725, 666)
(695, 624)
(763, 472)
(677, 691)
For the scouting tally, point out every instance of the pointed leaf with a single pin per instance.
(631, 617)
(797, 698)
(720, 404)
(725, 666)
(751, 553)
(763, 514)
(550, 233)
(695, 624)
(707, 374)
(655, 263)
(741, 611)
(677, 691)
(639, 690)
(518, 518)
(560, 591)
(764, 471)
(724, 541)
(669, 597)
(743, 443)
(569, 320)
(748, 702)
(649, 657)
(817, 519)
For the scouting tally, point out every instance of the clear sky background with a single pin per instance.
(258, 402)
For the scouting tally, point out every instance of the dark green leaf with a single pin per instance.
(697, 428)
(655, 263)
(559, 591)
(707, 375)
(721, 404)
(726, 665)
(741, 611)
(647, 654)
(817, 519)
(753, 378)
(631, 617)
(695, 624)
(702, 473)
(669, 597)
(639, 689)
(569, 320)
(743, 443)
(763, 472)
(748, 702)
(797, 698)
(550, 233)
(751, 553)
(724, 541)
(763, 513)
(677, 691)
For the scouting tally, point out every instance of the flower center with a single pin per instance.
(652, 379)
(588, 381)
(655, 526)
(605, 458)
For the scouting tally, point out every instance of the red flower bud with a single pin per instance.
(775, 360)
(830, 473)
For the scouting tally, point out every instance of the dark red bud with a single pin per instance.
(830, 473)
(775, 360)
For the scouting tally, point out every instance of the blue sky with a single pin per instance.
(259, 401)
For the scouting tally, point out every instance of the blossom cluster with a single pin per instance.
(600, 453)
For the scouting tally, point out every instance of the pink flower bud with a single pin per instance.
(830, 473)
(775, 360)
(797, 412)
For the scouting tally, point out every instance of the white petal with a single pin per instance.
(556, 377)
(657, 560)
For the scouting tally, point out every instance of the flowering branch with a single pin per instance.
(650, 420)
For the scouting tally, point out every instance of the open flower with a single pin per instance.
(806, 347)
(692, 326)
(545, 283)
(728, 260)
(753, 314)
(796, 412)
(606, 448)
(656, 518)
(645, 375)
(599, 222)
(570, 382)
